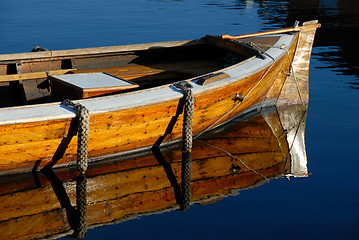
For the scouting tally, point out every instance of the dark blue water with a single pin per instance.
(323, 206)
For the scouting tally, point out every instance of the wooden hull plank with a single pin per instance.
(38, 135)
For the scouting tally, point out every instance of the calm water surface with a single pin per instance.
(323, 206)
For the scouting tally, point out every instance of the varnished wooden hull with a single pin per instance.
(32, 137)
(237, 156)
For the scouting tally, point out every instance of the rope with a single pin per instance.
(186, 144)
(291, 70)
(39, 49)
(240, 101)
(232, 156)
(295, 78)
(81, 201)
(83, 133)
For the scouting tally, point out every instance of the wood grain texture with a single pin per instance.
(33, 145)
(130, 186)
(296, 87)
(65, 54)
(130, 129)
(32, 75)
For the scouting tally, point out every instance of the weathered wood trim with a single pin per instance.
(296, 87)
(32, 76)
(60, 54)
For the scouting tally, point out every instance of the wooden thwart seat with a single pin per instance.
(86, 85)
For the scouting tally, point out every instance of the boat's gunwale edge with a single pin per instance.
(162, 94)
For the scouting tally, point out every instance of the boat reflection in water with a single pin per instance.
(244, 153)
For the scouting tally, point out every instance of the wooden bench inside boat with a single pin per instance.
(86, 85)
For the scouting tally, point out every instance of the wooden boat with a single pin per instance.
(243, 154)
(130, 93)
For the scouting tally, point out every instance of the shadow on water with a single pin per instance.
(337, 38)
(243, 154)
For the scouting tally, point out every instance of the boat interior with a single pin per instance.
(30, 80)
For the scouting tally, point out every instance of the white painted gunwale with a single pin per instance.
(146, 97)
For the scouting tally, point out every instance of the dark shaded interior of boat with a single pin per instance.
(29, 82)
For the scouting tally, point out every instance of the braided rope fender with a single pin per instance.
(186, 89)
(81, 203)
(83, 133)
